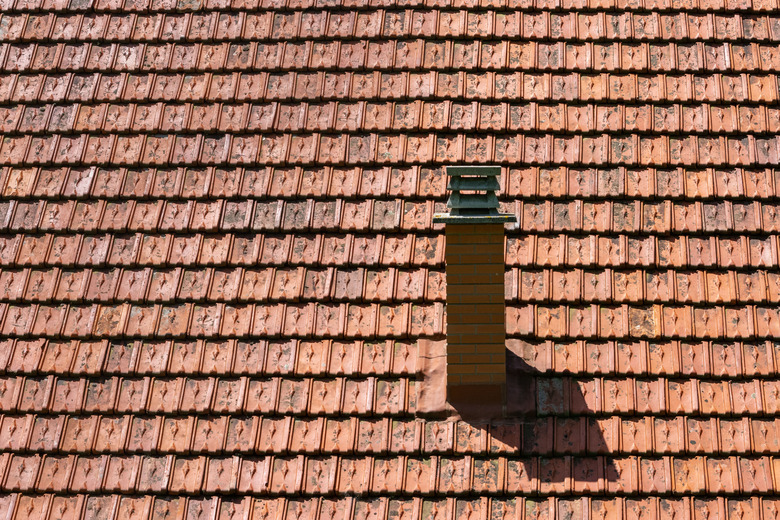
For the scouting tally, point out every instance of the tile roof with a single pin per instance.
(221, 287)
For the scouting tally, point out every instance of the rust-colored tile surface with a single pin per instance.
(222, 291)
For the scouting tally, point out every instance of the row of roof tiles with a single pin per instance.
(161, 215)
(289, 435)
(355, 357)
(679, 321)
(148, 507)
(379, 23)
(316, 86)
(226, 249)
(369, 321)
(324, 284)
(374, 320)
(214, 320)
(548, 396)
(372, 148)
(389, 55)
(605, 285)
(143, 6)
(394, 215)
(232, 357)
(407, 182)
(732, 360)
(678, 252)
(399, 476)
(255, 285)
(563, 395)
(392, 251)
(550, 183)
(577, 216)
(354, 216)
(367, 396)
(361, 284)
(243, 434)
(383, 116)
(402, 182)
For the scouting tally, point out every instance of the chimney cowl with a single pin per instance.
(473, 196)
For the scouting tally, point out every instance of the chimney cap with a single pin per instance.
(482, 171)
(473, 199)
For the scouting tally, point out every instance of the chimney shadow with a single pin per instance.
(548, 426)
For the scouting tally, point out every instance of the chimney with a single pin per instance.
(476, 360)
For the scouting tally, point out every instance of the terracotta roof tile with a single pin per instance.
(221, 289)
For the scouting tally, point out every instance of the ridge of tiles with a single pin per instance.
(221, 286)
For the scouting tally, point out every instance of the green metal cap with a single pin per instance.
(473, 199)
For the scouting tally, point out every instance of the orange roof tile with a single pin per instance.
(222, 290)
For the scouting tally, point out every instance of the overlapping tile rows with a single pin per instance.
(222, 290)
(351, 507)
